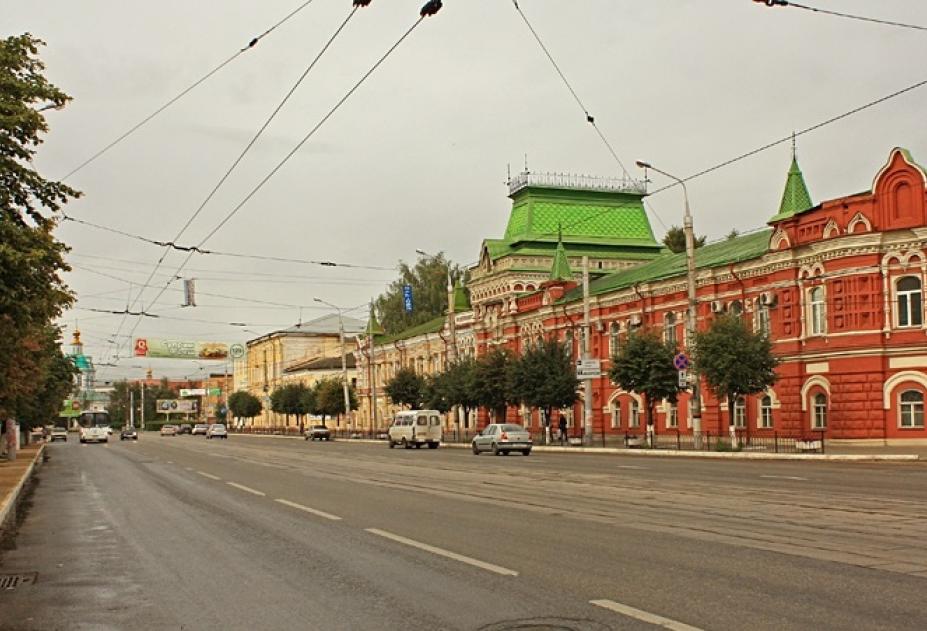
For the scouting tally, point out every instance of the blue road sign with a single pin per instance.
(681, 361)
(407, 297)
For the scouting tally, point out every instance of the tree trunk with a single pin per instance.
(650, 426)
(731, 401)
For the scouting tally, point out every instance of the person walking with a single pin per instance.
(563, 429)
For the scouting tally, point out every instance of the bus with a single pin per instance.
(94, 426)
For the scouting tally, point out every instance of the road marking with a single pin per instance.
(308, 510)
(784, 477)
(189, 468)
(644, 616)
(170, 462)
(246, 489)
(445, 553)
(209, 475)
(630, 466)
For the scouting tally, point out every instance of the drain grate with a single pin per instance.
(13, 581)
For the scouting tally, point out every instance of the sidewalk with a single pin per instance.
(13, 477)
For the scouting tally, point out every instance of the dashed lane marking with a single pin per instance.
(784, 477)
(644, 616)
(209, 475)
(246, 489)
(498, 569)
(306, 509)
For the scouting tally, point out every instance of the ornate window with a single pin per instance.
(819, 411)
(669, 329)
(614, 342)
(740, 412)
(761, 318)
(672, 416)
(910, 302)
(911, 409)
(616, 415)
(817, 312)
(765, 421)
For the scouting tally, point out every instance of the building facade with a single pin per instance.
(838, 286)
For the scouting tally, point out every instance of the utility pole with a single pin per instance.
(587, 334)
(131, 408)
(143, 405)
(375, 425)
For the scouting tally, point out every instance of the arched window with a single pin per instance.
(669, 329)
(816, 311)
(740, 412)
(635, 420)
(614, 342)
(761, 318)
(736, 308)
(911, 408)
(819, 411)
(616, 415)
(568, 342)
(910, 301)
(766, 419)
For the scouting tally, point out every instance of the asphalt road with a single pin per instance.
(269, 533)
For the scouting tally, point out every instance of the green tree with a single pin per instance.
(428, 279)
(329, 398)
(544, 377)
(675, 240)
(243, 404)
(405, 388)
(460, 385)
(490, 381)
(286, 400)
(436, 394)
(734, 360)
(733, 234)
(645, 365)
(53, 381)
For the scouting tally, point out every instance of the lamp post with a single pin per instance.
(344, 362)
(691, 319)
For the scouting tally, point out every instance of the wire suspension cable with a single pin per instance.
(254, 41)
(589, 117)
(850, 16)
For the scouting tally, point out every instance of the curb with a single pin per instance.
(659, 453)
(12, 499)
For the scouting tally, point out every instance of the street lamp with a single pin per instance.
(691, 319)
(344, 362)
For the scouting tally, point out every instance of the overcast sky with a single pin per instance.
(417, 157)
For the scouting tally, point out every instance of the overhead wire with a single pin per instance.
(251, 44)
(851, 16)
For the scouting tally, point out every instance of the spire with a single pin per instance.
(795, 199)
(561, 267)
(373, 325)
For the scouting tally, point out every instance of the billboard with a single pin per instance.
(70, 408)
(193, 392)
(186, 349)
(178, 406)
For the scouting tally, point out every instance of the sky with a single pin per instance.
(417, 157)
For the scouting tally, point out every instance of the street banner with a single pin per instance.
(70, 408)
(407, 298)
(214, 392)
(176, 406)
(185, 349)
(193, 392)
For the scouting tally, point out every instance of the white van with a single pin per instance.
(415, 427)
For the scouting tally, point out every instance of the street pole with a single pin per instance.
(373, 377)
(131, 409)
(587, 381)
(692, 314)
(143, 406)
(344, 373)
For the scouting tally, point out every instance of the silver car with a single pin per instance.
(501, 438)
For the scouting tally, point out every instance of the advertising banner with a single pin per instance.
(70, 408)
(176, 406)
(186, 349)
(193, 392)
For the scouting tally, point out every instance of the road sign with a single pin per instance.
(683, 378)
(588, 368)
(681, 361)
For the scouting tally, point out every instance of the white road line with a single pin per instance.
(784, 477)
(308, 510)
(189, 468)
(246, 489)
(445, 553)
(644, 616)
(170, 462)
(209, 475)
(630, 466)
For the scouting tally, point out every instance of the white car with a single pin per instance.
(416, 428)
(502, 438)
(217, 431)
(94, 434)
(200, 428)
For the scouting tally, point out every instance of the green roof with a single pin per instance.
(560, 270)
(795, 198)
(461, 298)
(498, 248)
(432, 326)
(725, 252)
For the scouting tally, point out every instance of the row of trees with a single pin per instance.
(125, 392)
(325, 399)
(35, 375)
(733, 360)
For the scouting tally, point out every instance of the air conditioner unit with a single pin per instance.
(768, 299)
(717, 306)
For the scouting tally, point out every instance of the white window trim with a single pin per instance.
(759, 413)
(901, 412)
(814, 411)
(811, 312)
(909, 293)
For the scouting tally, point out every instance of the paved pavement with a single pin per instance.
(253, 533)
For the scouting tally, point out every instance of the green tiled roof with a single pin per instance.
(560, 270)
(795, 198)
(669, 265)
(498, 248)
(432, 326)
(461, 299)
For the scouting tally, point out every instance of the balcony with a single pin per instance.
(569, 181)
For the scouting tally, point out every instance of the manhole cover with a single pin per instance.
(546, 624)
(13, 581)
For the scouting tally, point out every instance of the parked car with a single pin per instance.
(168, 430)
(200, 428)
(318, 432)
(58, 433)
(415, 428)
(502, 438)
(216, 430)
(128, 434)
(184, 428)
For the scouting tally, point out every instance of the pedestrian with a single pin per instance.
(563, 429)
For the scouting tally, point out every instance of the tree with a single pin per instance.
(460, 385)
(436, 394)
(734, 360)
(285, 400)
(405, 388)
(243, 404)
(675, 240)
(329, 398)
(544, 377)
(645, 365)
(490, 381)
(428, 279)
(53, 380)
(733, 234)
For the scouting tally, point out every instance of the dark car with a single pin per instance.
(128, 434)
(318, 432)
(185, 428)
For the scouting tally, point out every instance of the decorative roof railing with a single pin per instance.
(577, 182)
